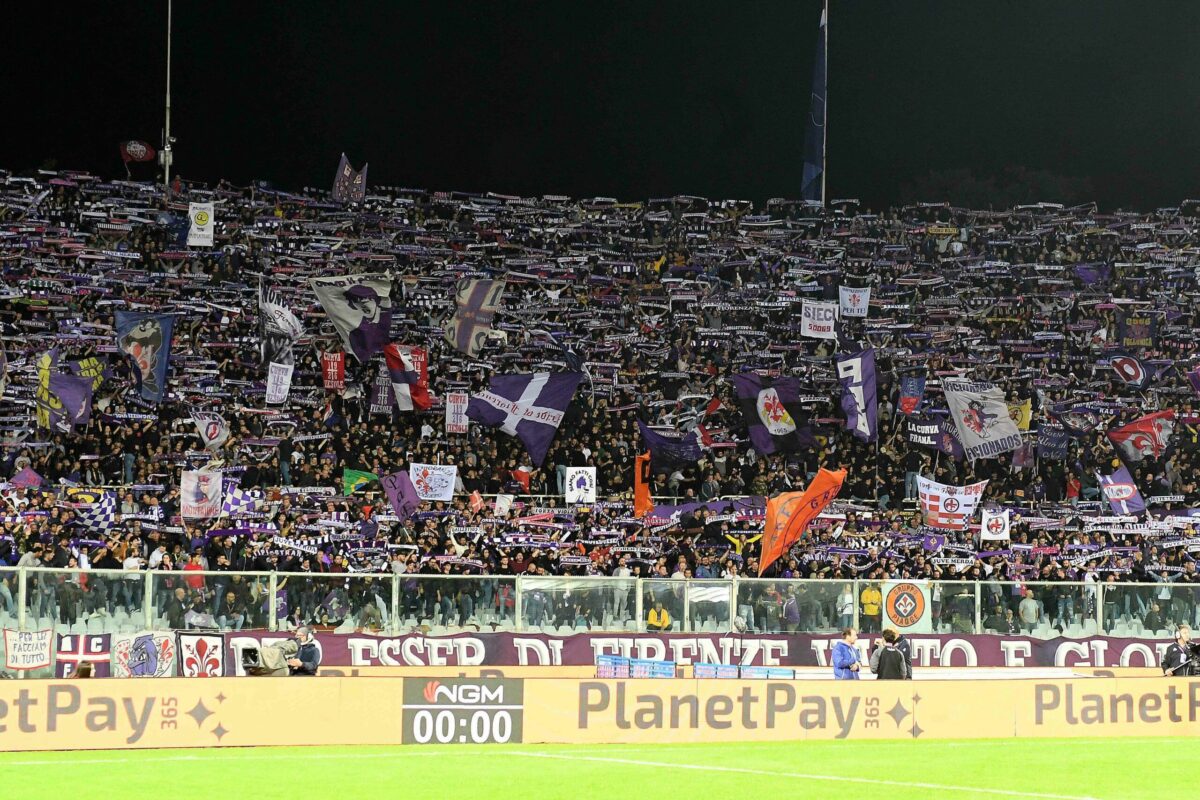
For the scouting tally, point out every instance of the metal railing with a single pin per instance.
(36, 598)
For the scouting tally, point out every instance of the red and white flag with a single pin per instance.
(136, 151)
(1146, 436)
(949, 507)
(408, 369)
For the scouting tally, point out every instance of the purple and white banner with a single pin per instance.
(856, 371)
(799, 650)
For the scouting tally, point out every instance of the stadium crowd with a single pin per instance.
(659, 302)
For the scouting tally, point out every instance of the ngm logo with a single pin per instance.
(436, 692)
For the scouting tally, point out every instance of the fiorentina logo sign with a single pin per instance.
(773, 414)
(995, 526)
(201, 655)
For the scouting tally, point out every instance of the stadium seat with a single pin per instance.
(1089, 627)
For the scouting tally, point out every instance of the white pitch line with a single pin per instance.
(806, 776)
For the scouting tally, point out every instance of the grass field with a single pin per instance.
(1053, 769)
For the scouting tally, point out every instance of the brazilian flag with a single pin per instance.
(353, 480)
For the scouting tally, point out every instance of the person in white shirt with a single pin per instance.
(157, 556)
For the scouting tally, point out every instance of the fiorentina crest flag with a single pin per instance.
(401, 494)
(212, 429)
(788, 515)
(1131, 370)
(201, 494)
(472, 321)
(995, 526)
(201, 655)
(333, 371)
(668, 452)
(146, 339)
(948, 507)
(1077, 421)
(360, 308)
(856, 372)
(433, 481)
(349, 186)
(912, 393)
(528, 406)
(981, 416)
(83, 648)
(409, 372)
(1147, 436)
(1121, 492)
(771, 409)
(200, 225)
(854, 302)
(136, 151)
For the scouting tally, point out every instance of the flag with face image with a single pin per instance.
(360, 308)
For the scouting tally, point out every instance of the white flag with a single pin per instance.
(854, 301)
(201, 494)
(212, 429)
(200, 230)
(995, 526)
(433, 481)
(504, 504)
(581, 485)
(980, 412)
(818, 320)
(279, 383)
(948, 507)
(456, 412)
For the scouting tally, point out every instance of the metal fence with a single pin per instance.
(126, 601)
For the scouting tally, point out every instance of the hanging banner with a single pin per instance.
(25, 650)
(457, 420)
(906, 607)
(201, 494)
(948, 507)
(581, 485)
(144, 655)
(854, 302)
(818, 320)
(279, 383)
(333, 371)
(201, 224)
(201, 655)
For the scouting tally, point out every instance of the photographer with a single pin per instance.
(1177, 660)
(308, 659)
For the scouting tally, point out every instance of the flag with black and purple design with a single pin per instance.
(856, 372)
(667, 452)
(1092, 273)
(349, 186)
(477, 301)
(1077, 420)
(530, 407)
(1052, 442)
(1131, 370)
(401, 494)
(1137, 329)
(146, 339)
(409, 372)
(1121, 492)
(360, 308)
(74, 394)
(771, 408)
(912, 393)
(935, 433)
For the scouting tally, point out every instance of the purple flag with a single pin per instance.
(1194, 379)
(26, 479)
(1091, 273)
(349, 186)
(856, 371)
(75, 394)
(472, 321)
(1121, 492)
(772, 412)
(670, 451)
(401, 494)
(528, 406)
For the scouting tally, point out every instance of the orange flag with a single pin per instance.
(788, 515)
(642, 504)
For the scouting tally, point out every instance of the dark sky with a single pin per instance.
(628, 99)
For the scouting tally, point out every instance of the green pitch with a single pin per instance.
(1050, 769)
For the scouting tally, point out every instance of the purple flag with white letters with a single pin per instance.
(856, 371)
(528, 406)
(1121, 492)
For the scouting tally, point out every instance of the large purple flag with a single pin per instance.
(528, 406)
(1121, 492)
(671, 451)
(771, 409)
(472, 321)
(1194, 379)
(401, 494)
(349, 186)
(75, 394)
(856, 371)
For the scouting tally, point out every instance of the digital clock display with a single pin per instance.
(462, 710)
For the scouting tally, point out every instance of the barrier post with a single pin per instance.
(148, 599)
(978, 607)
(518, 591)
(733, 598)
(22, 597)
(272, 623)
(394, 627)
(857, 596)
(638, 607)
(1099, 607)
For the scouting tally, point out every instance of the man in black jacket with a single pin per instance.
(1177, 659)
(888, 662)
(308, 659)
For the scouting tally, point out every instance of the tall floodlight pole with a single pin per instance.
(813, 182)
(824, 97)
(165, 153)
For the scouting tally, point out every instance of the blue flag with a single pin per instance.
(670, 451)
(912, 393)
(812, 186)
(146, 339)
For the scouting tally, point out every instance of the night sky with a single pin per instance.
(626, 99)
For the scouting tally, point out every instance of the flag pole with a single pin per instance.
(825, 114)
(165, 154)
